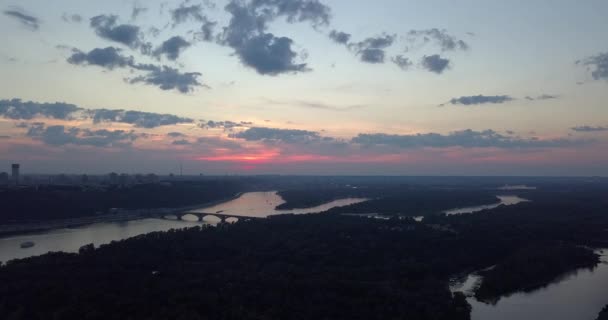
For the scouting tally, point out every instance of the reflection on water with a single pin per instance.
(579, 296)
(262, 204)
(255, 204)
(70, 240)
(504, 200)
(517, 187)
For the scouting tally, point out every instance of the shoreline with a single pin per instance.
(8, 230)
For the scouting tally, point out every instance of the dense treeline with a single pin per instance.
(326, 266)
(533, 267)
(55, 202)
(290, 267)
(603, 314)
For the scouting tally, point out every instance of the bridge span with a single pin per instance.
(202, 215)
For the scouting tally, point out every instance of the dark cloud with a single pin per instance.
(441, 38)
(72, 18)
(108, 58)
(172, 47)
(25, 19)
(481, 99)
(589, 129)
(278, 135)
(19, 110)
(263, 51)
(167, 78)
(340, 37)
(60, 135)
(371, 50)
(295, 10)
(184, 13)
(5, 137)
(542, 97)
(270, 55)
(597, 65)
(175, 134)
(25, 110)
(402, 62)
(465, 138)
(435, 63)
(181, 142)
(226, 125)
(136, 118)
(106, 27)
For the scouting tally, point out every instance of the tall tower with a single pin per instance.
(15, 173)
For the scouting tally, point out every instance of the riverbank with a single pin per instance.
(121, 216)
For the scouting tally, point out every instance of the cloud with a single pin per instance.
(60, 135)
(108, 58)
(270, 55)
(435, 63)
(371, 50)
(226, 125)
(182, 142)
(184, 13)
(136, 118)
(277, 135)
(266, 53)
(465, 138)
(5, 137)
(542, 97)
(597, 65)
(137, 11)
(402, 62)
(441, 38)
(167, 78)
(314, 105)
(71, 18)
(106, 27)
(589, 129)
(340, 37)
(175, 134)
(481, 99)
(19, 110)
(25, 19)
(172, 47)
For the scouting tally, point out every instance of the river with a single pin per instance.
(578, 296)
(503, 200)
(253, 204)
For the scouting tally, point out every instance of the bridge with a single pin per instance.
(223, 217)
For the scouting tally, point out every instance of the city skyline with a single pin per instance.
(305, 87)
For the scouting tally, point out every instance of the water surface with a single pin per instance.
(504, 200)
(578, 296)
(262, 204)
(71, 239)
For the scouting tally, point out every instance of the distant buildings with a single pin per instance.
(3, 178)
(15, 173)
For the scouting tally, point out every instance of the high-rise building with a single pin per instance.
(3, 178)
(15, 173)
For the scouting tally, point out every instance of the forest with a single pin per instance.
(319, 266)
(59, 202)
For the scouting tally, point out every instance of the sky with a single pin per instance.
(311, 87)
